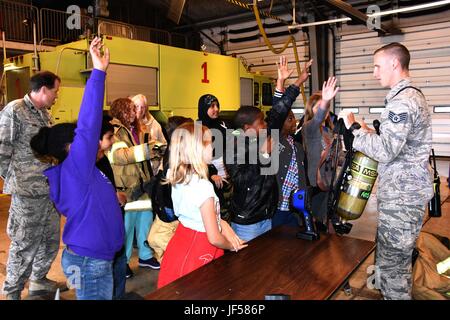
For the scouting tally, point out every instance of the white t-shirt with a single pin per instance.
(187, 200)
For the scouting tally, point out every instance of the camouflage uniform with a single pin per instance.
(33, 223)
(404, 183)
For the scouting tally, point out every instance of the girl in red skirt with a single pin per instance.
(201, 234)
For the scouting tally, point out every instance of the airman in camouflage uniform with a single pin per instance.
(33, 223)
(404, 183)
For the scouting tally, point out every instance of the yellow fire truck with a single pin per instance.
(171, 78)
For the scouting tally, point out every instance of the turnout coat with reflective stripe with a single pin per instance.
(129, 159)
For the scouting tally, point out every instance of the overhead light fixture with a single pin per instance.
(377, 14)
(310, 24)
(412, 8)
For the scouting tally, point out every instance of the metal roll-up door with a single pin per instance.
(244, 40)
(429, 46)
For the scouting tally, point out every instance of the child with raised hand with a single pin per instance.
(317, 134)
(287, 181)
(291, 175)
(255, 187)
(201, 234)
(94, 230)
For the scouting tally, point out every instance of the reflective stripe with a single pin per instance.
(109, 155)
(116, 146)
(139, 152)
(443, 266)
(139, 205)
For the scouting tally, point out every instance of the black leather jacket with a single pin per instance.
(255, 195)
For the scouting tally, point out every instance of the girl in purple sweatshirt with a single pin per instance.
(94, 229)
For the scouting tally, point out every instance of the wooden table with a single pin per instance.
(274, 263)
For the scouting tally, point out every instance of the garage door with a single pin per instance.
(429, 46)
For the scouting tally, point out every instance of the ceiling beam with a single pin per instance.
(228, 20)
(175, 10)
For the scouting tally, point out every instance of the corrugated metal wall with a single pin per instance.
(428, 42)
(429, 46)
(251, 47)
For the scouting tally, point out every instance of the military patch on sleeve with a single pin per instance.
(397, 118)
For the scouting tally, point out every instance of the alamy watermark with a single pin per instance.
(73, 22)
(245, 148)
(374, 278)
(74, 277)
(374, 20)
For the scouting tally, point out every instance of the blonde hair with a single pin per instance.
(187, 146)
(309, 112)
(147, 115)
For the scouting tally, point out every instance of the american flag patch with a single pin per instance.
(397, 118)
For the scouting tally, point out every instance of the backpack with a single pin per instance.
(161, 196)
(330, 158)
(326, 166)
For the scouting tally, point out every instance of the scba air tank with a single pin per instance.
(358, 184)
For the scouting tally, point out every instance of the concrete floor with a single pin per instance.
(144, 281)
(365, 228)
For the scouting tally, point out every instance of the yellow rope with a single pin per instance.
(249, 7)
(279, 51)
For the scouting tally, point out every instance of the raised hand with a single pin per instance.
(329, 89)
(99, 60)
(283, 71)
(305, 73)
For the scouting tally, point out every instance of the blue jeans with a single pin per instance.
(284, 218)
(251, 231)
(92, 278)
(142, 221)
(119, 275)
